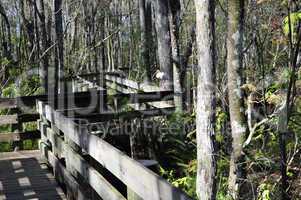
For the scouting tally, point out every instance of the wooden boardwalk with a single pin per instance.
(86, 165)
(24, 176)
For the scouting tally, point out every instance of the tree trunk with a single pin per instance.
(174, 20)
(235, 93)
(185, 81)
(206, 173)
(45, 45)
(164, 44)
(282, 131)
(145, 39)
(8, 46)
(59, 39)
(27, 20)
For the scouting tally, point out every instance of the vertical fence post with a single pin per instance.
(15, 128)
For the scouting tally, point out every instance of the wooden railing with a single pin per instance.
(85, 162)
(16, 113)
(82, 160)
(15, 118)
(118, 82)
(86, 87)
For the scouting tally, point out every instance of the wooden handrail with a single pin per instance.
(141, 180)
(14, 137)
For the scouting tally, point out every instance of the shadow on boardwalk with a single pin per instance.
(25, 177)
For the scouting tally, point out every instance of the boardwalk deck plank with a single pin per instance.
(23, 175)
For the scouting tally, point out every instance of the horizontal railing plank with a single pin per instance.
(30, 101)
(84, 99)
(6, 103)
(101, 186)
(8, 119)
(92, 104)
(133, 84)
(127, 115)
(127, 86)
(77, 98)
(63, 176)
(140, 179)
(14, 137)
(15, 119)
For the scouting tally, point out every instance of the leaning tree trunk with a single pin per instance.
(206, 173)
(234, 72)
(164, 44)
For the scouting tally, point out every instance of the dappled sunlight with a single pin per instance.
(26, 178)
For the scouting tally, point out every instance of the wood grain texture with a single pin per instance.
(140, 179)
(74, 161)
(6, 103)
(75, 191)
(8, 119)
(13, 137)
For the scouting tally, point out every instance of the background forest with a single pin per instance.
(248, 145)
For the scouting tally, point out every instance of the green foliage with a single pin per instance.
(28, 86)
(10, 91)
(5, 147)
(23, 86)
(187, 182)
(4, 62)
(30, 145)
(178, 153)
(264, 191)
(31, 86)
(294, 18)
(221, 118)
(222, 174)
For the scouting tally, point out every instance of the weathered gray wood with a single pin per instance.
(123, 81)
(63, 176)
(90, 83)
(83, 99)
(140, 179)
(14, 137)
(15, 119)
(16, 128)
(107, 116)
(8, 119)
(103, 188)
(6, 103)
(134, 85)
(74, 161)
(161, 103)
(94, 178)
(23, 175)
(98, 104)
(119, 88)
(58, 146)
(131, 195)
(91, 75)
(52, 139)
(30, 101)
